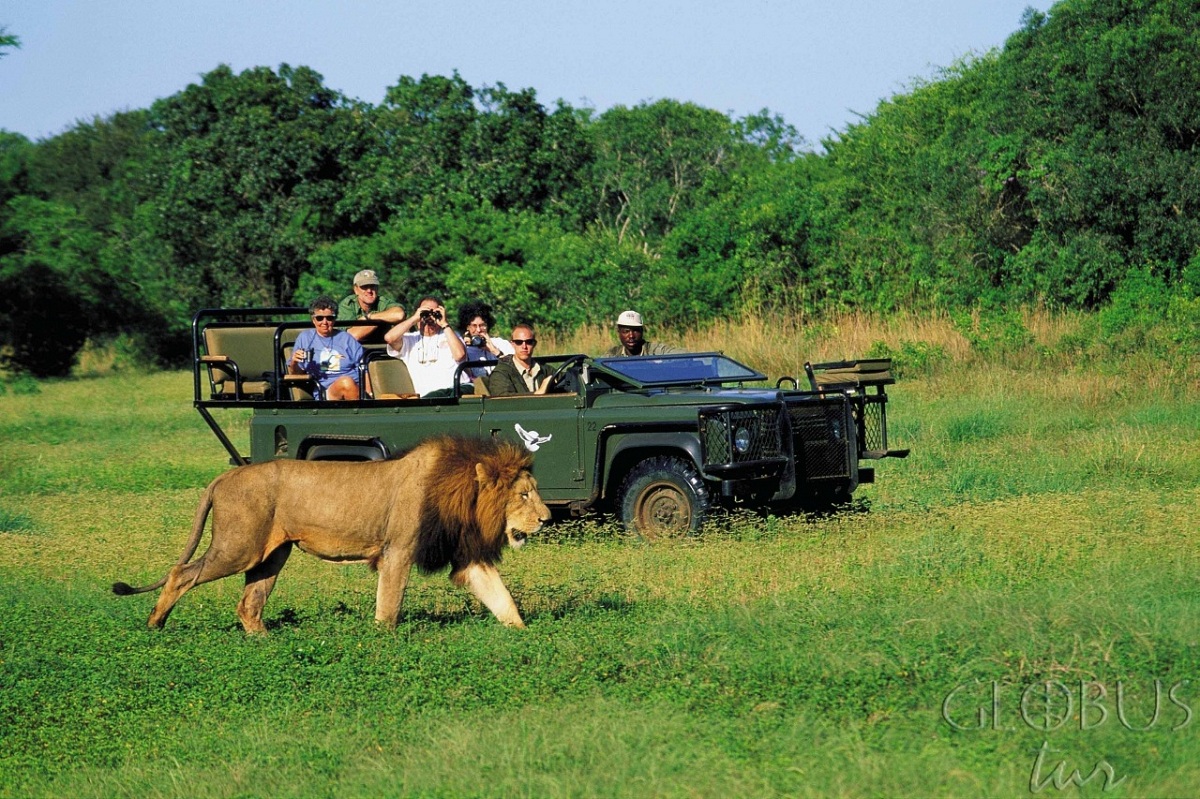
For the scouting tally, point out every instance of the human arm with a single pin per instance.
(354, 354)
(396, 335)
(300, 354)
(501, 346)
(456, 344)
(393, 315)
(457, 349)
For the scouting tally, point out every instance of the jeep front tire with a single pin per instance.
(663, 496)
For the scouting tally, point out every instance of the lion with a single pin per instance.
(448, 502)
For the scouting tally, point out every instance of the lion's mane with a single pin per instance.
(462, 515)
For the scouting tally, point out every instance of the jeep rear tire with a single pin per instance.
(663, 496)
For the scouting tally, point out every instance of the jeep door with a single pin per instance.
(546, 425)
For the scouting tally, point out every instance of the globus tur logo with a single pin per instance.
(1051, 705)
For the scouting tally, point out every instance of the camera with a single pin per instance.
(478, 341)
(431, 313)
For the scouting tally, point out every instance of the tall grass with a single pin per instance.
(1039, 532)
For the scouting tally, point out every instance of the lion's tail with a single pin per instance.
(206, 501)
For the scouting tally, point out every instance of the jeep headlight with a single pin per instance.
(741, 440)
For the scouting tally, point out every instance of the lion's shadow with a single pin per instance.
(571, 606)
(575, 606)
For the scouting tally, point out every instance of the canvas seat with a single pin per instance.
(389, 378)
(856, 374)
(241, 361)
(299, 387)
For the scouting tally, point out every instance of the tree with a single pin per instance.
(1101, 103)
(15, 151)
(7, 40)
(651, 159)
(747, 247)
(96, 167)
(437, 137)
(252, 168)
(50, 286)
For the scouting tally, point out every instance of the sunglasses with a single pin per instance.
(517, 342)
(323, 317)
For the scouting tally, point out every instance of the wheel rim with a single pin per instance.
(663, 507)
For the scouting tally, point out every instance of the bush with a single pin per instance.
(21, 385)
(993, 333)
(912, 358)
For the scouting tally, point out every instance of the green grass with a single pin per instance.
(1041, 531)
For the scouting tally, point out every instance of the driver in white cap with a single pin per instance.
(630, 331)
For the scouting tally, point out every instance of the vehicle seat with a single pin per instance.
(389, 378)
(300, 387)
(240, 361)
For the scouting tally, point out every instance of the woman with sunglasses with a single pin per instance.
(329, 356)
(519, 373)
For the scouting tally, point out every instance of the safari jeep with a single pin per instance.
(658, 441)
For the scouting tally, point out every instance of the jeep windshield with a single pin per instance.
(685, 369)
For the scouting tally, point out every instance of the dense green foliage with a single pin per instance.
(1050, 171)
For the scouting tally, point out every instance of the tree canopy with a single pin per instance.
(1055, 170)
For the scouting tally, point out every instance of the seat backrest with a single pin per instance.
(389, 377)
(250, 348)
(481, 386)
(296, 390)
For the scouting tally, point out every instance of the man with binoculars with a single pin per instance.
(431, 351)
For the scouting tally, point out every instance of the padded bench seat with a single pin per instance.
(865, 372)
(241, 360)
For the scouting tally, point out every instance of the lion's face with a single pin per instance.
(525, 512)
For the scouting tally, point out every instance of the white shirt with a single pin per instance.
(429, 360)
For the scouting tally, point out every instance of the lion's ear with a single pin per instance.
(481, 474)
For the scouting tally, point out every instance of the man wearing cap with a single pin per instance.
(366, 303)
(630, 332)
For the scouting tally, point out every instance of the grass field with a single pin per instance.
(1020, 593)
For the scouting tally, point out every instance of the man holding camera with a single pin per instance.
(431, 351)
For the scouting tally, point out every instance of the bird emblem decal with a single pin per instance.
(531, 438)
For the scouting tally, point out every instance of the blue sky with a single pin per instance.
(818, 63)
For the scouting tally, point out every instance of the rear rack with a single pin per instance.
(865, 379)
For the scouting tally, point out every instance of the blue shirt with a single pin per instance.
(329, 358)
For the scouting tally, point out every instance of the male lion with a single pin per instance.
(450, 501)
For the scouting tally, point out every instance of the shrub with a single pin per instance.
(993, 333)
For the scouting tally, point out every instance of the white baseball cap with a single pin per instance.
(630, 319)
(366, 277)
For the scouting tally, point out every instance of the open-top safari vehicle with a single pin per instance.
(656, 440)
